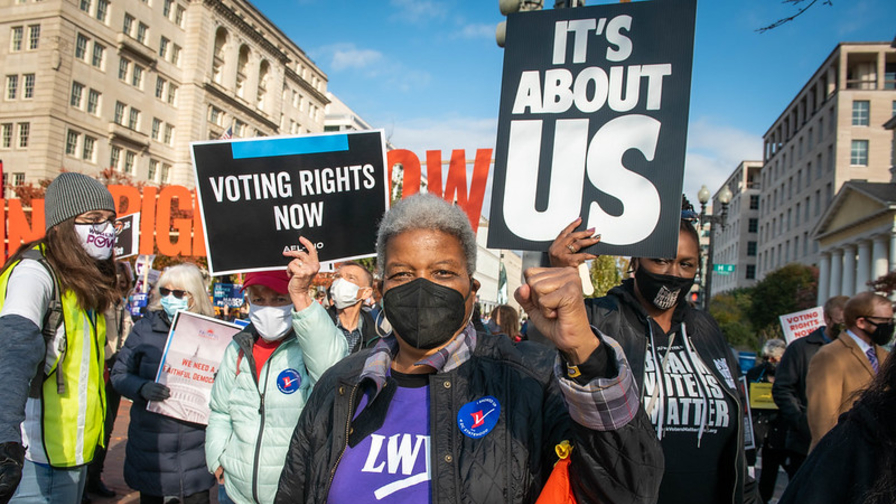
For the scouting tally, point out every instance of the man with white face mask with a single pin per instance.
(353, 285)
(265, 377)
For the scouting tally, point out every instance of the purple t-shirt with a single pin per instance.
(392, 464)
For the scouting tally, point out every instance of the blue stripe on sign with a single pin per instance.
(289, 146)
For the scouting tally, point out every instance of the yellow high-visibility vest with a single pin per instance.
(63, 429)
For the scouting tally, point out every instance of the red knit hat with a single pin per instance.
(276, 280)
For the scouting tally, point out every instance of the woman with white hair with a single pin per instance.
(769, 429)
(435, 412)
(164, 456)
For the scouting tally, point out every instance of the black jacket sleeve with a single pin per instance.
(786, 389)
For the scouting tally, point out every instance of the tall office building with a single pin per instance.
(92, 84)
(831, 132)
(737, 243)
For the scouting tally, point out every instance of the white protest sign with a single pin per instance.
(799, 324)
(191, 358)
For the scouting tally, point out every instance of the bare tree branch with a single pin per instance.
(798, 13)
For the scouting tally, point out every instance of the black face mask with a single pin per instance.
(836, 329)
(425, 314)
(663, 291)
(882, 334)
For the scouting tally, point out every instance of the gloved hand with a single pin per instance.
(12, 456)
(153, 391)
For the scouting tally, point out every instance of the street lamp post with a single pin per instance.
(714, 220)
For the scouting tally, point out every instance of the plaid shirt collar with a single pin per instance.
(447, 358)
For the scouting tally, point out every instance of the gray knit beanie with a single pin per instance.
(72, 194)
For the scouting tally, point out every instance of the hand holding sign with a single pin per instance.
(302, 270)
(553, 299)
(564, 251)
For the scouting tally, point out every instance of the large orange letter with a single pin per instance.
(434, 172)
(19, 229)
(148, 221)
(165, 222)
(456, 184)
(131, 196)
(411, 166)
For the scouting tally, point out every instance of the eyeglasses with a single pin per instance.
(179, 294)
(97, 227)
(885, 320)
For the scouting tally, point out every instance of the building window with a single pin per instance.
(141, 33)
(77, 92)
(12, 87)
(858, 154)
(17, 33)
(137, 77)
(163, 47)
(85, 5)
(214, 115)
(156, 126)
(99, 52)
(860, 112)
(29, 86)
(81, 47)
(128, 24)
(93, 102)
(24, 131)
(129, 157)
(102, 9)
(175, 54)
(119, 113)
(134, 119)
(71, 143)
(751, 272)
(751, 248)
(153, 169)
(179, 16)
(160, 87)
(169, 134)
(123, 65)
(115, 157)
(166, 170)
(89, 144)
(753, 225)
(166, 8)
(6, 135)
(33, 36)
(172, 93)
(754, 202)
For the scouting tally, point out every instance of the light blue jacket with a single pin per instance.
(253, 418)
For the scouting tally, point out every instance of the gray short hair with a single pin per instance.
(190, 278)
(426, 211)
(774, 348)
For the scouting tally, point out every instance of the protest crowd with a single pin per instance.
(392, 386)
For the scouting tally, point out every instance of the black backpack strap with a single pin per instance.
(53, 319)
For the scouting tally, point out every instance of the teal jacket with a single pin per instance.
(253, 417)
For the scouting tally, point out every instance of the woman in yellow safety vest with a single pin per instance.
(54, 292)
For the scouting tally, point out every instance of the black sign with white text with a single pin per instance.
(593, 123)
(258, 196)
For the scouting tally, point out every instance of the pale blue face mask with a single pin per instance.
(173, 305)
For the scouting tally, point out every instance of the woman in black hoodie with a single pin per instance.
(686, 373)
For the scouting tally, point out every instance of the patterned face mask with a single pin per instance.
(663, 291)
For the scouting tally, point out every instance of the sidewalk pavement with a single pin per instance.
(113, 470)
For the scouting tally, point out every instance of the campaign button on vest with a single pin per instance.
(478, 418)
(288, 381)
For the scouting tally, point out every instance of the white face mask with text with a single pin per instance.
(97, 239)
